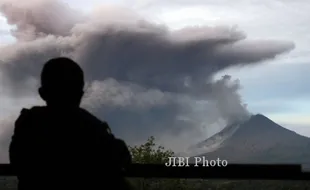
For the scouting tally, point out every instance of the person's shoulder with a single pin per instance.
(27, 116)
(27, 111)
(30, 112)
(83, 113)
(94, 121)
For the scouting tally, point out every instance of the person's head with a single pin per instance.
(62, 83)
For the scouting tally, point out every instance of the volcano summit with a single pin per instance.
(258, 140)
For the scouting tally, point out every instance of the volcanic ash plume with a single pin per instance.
(143, 78)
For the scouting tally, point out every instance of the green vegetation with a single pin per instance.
(152, 153)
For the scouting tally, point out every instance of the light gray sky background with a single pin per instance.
(279, 89)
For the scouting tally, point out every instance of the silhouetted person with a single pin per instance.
(62, 146)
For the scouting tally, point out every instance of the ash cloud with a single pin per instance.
(143, 78)
(36, 18)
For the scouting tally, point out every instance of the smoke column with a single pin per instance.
(142, 77)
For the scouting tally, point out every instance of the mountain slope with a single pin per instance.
(260, 140)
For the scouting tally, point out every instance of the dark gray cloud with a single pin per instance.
(142, 77)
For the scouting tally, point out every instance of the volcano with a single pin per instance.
(258, 140)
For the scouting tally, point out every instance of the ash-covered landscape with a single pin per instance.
(221, 79)
(258, 140)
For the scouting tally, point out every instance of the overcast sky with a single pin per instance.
(279, 88)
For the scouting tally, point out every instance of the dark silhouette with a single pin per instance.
(62, 146)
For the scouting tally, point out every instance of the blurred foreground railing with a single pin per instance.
(232, 171)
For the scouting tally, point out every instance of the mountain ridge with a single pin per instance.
(260, 140)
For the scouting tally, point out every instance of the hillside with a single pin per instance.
(259, 140)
